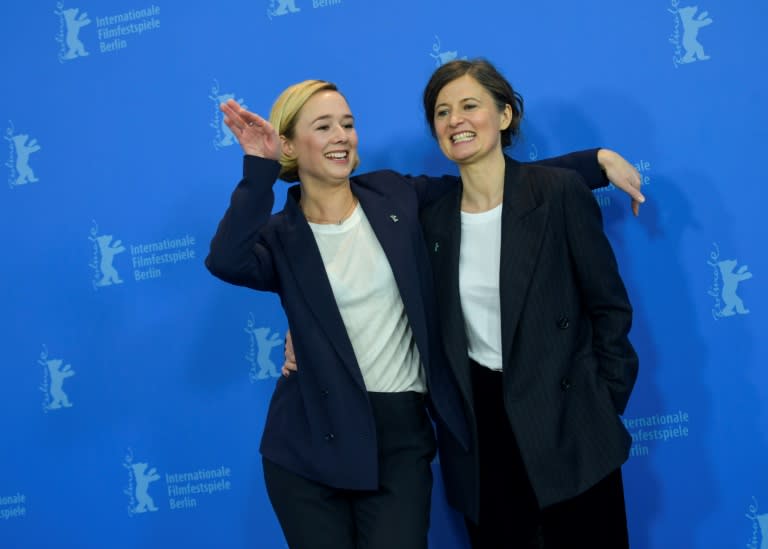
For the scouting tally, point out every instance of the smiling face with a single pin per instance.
(324, 140)
(468, 122)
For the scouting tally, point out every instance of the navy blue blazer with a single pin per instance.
(569, 367)
(320, 424)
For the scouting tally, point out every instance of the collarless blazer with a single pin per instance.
(568, 365)
(320, 424)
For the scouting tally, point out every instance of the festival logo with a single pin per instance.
(112, 31)
(184, 490)
(649, 431)
(140, 476)
(726, 279)
(54, 374)
(223, 136)
(190, 489)
(685, 35)
(70, 23)
(278, 8)
(149, 260)
(442, 57)
(20, 146)
(759, 537)
(261, 341)
(14, 506)
(105, 248)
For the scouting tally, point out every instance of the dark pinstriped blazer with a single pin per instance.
(568, 364)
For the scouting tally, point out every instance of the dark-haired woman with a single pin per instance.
(534, 320)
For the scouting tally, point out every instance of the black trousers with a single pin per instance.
(396, 516)
(510, 516)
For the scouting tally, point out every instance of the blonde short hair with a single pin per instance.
(283, 117)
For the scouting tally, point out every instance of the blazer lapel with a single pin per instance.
(444, 245)
(307, 267)
(523, 222)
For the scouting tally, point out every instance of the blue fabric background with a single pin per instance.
(134, 385)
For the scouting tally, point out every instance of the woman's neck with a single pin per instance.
(327, 204)
(482, 184)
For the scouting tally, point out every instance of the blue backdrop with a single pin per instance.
(134, 385)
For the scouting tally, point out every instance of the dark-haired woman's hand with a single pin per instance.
(623, 175)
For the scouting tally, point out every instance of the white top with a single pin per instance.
(370, 305)
(479, 260)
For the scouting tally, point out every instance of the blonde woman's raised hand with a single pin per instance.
(256, 135)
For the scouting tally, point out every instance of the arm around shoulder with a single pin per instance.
(599, 167)
(584, 162)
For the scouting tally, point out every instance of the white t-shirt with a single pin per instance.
(479, 260)
(370, 305)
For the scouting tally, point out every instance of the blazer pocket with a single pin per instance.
(584, 372)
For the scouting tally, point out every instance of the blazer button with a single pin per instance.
(563, 323)
(324, 392)
(328, 437)
(565, 384)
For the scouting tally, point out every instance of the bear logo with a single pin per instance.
(731, 280)
(23, 149)
(143, 479)
(442, 57)
(224, 136)
(108, 250)
(691, 25)
(284, 7)
(261, 345)
(75, 47)
(762, 522)
(58, 374)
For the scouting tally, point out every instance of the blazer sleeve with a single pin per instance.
(430, 189)
(602, 291)
(584, 162)
(238, 252)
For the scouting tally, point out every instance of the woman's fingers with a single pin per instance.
(235, 117)
(240, 120)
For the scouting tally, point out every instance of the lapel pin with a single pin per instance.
(437, 246)
(394, 218)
